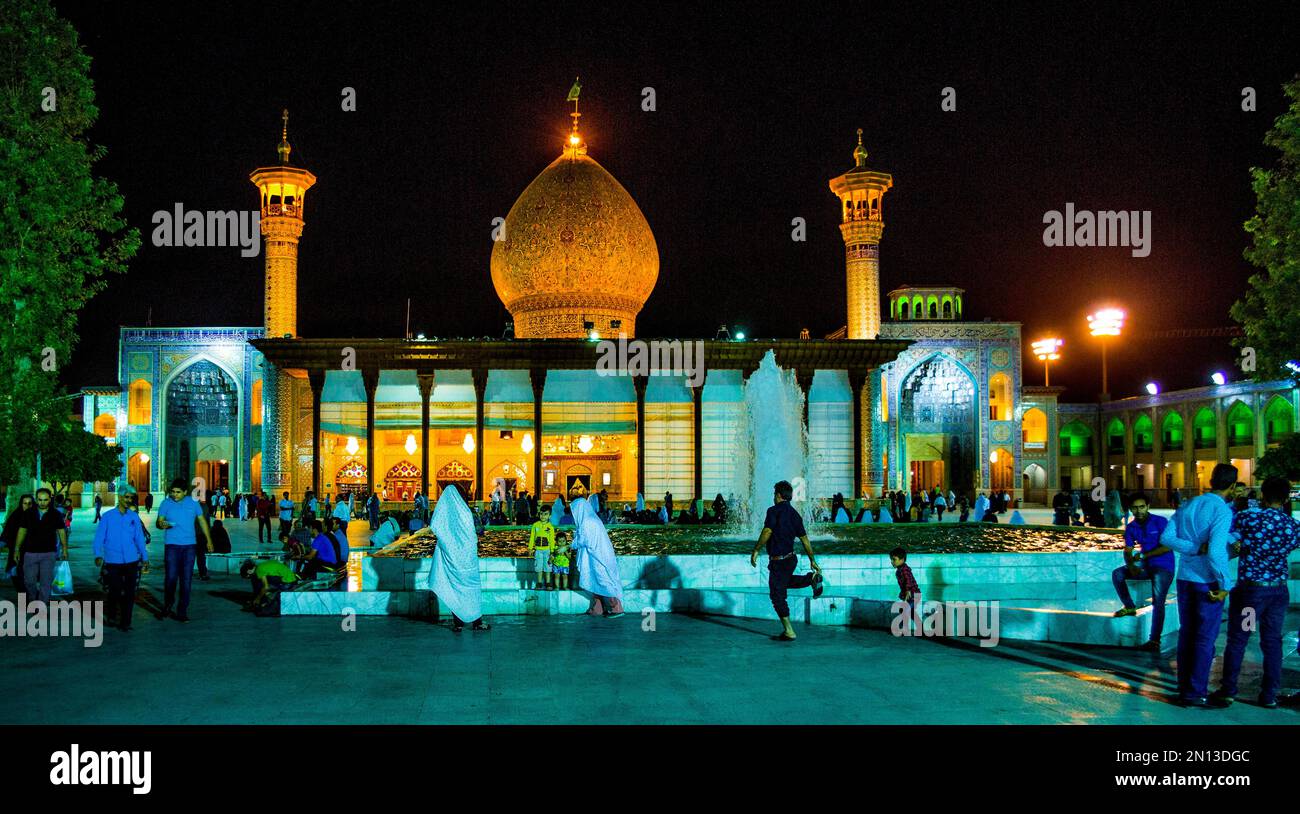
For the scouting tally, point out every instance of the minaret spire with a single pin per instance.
(284, 147)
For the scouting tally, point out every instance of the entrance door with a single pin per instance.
(927, 475)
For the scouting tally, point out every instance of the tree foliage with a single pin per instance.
(70, 454)
(61, 230)
(1268, 312)
(1282, 460)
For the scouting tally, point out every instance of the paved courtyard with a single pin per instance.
(227, 666)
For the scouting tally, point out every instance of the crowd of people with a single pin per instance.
(1191, 553)
(1194, 551)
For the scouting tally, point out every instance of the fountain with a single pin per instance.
(772, 445)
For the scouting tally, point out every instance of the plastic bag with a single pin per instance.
(62, 579)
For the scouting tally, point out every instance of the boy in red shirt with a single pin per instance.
(908, 590)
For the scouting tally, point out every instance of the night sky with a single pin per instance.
(457, 111)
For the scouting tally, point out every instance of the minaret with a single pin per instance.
(283, 189)
(861, 223)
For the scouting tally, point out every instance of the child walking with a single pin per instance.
(908, 590)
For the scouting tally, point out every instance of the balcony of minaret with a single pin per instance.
(283, 200)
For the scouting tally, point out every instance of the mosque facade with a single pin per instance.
(908, 394)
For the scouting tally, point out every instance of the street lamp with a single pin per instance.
(1047, 351)
(1219, 378)
(1105, 323)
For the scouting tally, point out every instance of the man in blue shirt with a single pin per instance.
(286, 515)
(781, 528)
(120, 549)
(1201, 532)
(342, 514)
(1145, 559)
(178, 515)
(1268, 536)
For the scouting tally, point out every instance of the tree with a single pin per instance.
(1268, 312)
(69, 454)
(1282, 460)
(61, 229)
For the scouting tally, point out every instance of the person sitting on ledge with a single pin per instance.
(1061, 505)
(719, 509)
(1145, 558)
(324, 553)
(387, 532)
(338, 531)
(265, 575)
(414, 523)
(220, 538)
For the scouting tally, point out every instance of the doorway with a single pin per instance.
(927, 475)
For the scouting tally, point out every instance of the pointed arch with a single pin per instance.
(1279, 420)
(1033, 428)
(1075, 439)
(1115, 437)
(1001, 403)
(1171, 430)
(1143, 434)
(1205, 430)
(1241, 425)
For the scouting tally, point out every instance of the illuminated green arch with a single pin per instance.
(1241, 425)
(1204, 428)
(1171, 428)
(1143, 434)
(1279, 420)
(1075, 439)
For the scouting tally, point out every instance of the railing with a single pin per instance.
(286, 210)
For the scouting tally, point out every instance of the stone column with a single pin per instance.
(1157, 455)
(370, 379)
(1261, 431)
(640, 382)
(1221, 431)
(480, 389)
(537, 376)
(857, 386)
(426, 457)
(698, 394)
(316, 379)
(1130, 453)
(277, 431)
(804, 376)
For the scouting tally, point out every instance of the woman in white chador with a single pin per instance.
(597, 564)
(454, 575)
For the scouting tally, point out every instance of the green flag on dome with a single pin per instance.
(574, 91)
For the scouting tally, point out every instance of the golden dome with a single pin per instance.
(576, 249)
